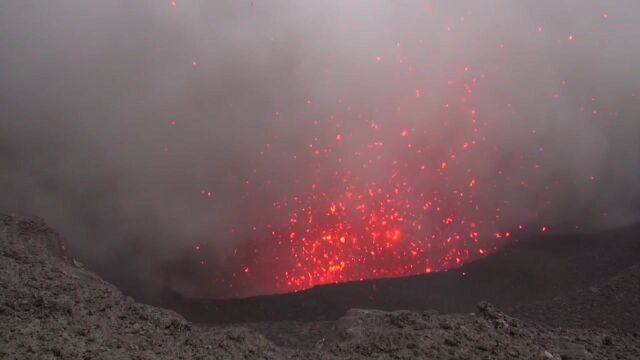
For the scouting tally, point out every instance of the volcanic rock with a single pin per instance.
(51, 308)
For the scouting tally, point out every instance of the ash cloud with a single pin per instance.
(117, 115)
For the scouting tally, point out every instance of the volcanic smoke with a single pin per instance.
(250, 147)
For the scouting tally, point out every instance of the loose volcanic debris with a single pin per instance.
(51, 308)
(614, 303)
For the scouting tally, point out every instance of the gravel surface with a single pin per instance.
(52, 308)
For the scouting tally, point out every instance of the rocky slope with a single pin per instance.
(612, 304)
(52, 308)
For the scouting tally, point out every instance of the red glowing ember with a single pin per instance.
(369, 205)
(423, 172)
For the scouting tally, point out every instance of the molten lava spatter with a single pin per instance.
(377, 199)
(416, 172)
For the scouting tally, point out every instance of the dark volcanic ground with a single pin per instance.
(522, 272)
(573, 297)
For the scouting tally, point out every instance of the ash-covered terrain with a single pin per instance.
(290, 179)
(529, 270)
(53, 308)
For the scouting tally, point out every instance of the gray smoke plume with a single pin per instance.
(119, 117)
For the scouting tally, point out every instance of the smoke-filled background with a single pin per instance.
(232, 148)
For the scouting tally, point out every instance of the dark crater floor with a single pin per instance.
(555, 297)
(524, 272)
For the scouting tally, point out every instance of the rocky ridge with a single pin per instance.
(53, 308)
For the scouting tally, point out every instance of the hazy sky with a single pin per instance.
(120, 117)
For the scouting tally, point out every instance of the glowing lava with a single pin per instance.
(377, 200)
(418, 172)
